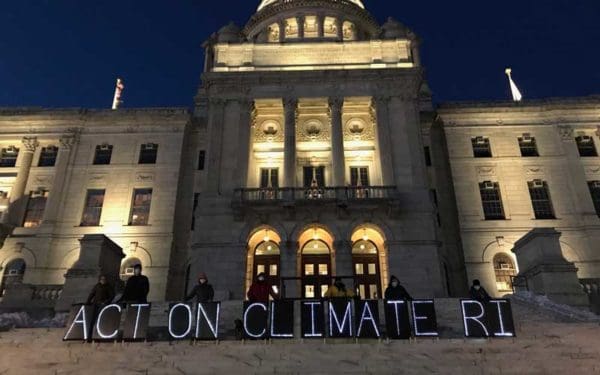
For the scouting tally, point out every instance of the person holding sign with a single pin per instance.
(478, 293)
(203, 291)
(396, 292)
(102, 293)
(260, 290)
(137, 287)
(338, 290)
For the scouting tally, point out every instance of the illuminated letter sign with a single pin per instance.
(282, 319)
(340, 327)
(255, 320)
(107, 323)
(487, 319)
(180, 320)
(207, 321)
(397, 320)
(424, 319)
(474, 319)
(313, 322)
(367, 316)
(82, 317)
(137, 318)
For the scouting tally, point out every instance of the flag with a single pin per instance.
(516, 94)
(118, 91)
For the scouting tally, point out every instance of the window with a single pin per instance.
(586, 147)
(93, 208)
(148, 153)
(140, 208)
(481, 147)
(316, 173)
(103, 154)
(540, 199)
(48, 156)
(201, 159)
(35, 209)
(504, 269)
(269, 178)
(195, 206)
(528, 146)
(359, 176)
(595, 192)
(491, 200)
(8, 157)
(427, 151)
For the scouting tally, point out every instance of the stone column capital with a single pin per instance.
(290, 103)
(336, 103)
(30, 143)
(67, 141)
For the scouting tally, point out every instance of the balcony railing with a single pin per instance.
(315, 194)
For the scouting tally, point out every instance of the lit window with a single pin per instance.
(491, 200)
(103, 154)
(586, 147)
(93, 208)
(528, 146)
(311, 28)
(291, 28)
(35, 209)
(349, 31)
(481, 147)
(140, 208)
(8, 157)
(540, 200)
(48, 156)
(269, 178)
(505, 271)
(330, 27)
(359, 176)
(316, 174)
(148, 153)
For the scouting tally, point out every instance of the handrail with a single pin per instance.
(346, 193)
(321, 279)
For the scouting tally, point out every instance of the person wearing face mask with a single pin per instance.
(478, 293)
(260, 290)
(338, 290)
(137, 287)
(102, 294)
(396, 292)
(203, 291)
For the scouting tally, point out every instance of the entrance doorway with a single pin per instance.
(316, 269)
(365, 262)
(266, 260)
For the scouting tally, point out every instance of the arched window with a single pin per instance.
(365, 260)
(316, 268)
(127, 267)
(505, 270)
(264, 257)
(13, 274)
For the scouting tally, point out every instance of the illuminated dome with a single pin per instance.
(285, 21)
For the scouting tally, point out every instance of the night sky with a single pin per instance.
(67, 53)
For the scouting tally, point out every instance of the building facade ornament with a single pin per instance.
(30, 143)
(566, 132)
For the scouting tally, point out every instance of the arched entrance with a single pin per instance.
(264, 256)
(504, 270)
(369, 262)
(315, 266)
(13, 274)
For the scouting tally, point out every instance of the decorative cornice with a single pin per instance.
(30, 143)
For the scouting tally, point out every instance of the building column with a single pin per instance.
(343, 259)
(17, 201)
(320, 25)
(340, 29)
(281, 31)
(300, 21)
(60, 173)
(382, 139)
(245, 155)
(288, 267)
(216, 113)
(337, 142)
(290, 106)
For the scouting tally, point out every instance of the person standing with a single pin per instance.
(396, 292)
(136, 288)
(478, 293)
(260, 290)
(102, 293)
(203, 291)
(338, 290)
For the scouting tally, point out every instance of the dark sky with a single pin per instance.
(67, 53)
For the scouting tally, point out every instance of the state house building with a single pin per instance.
(313, 150)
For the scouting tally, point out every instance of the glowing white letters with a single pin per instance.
(139, 307)
(189, 321)
(250, 307)
(347, 320)
(83, 322)
(397, 313)
(502, 332)
(417, 318)
(102, 335)
(313, 322)
(473, 318)
(273, 333)
(369, 317)
(213, 326)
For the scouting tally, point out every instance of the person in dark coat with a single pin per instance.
(396, 292)
(137, 287)
(102, 293)
(260, 290)
(478, 293)
(203, 291)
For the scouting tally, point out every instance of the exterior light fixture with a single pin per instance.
(365, 235)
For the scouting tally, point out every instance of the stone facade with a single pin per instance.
(313, 149)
